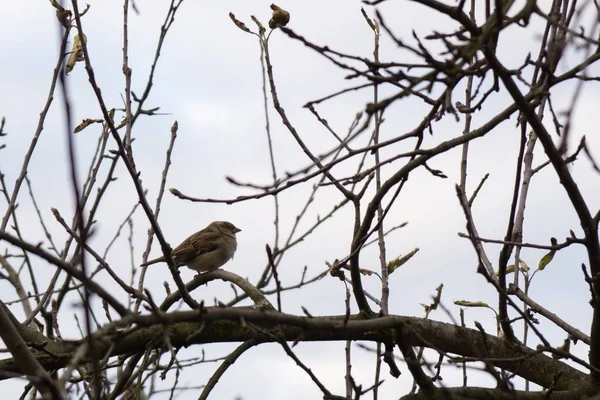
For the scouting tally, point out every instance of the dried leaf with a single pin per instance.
(85, 123)
(239, 23)
(63, 16)
(511, 268)
(280, 17)
(369, 21)
(261, 28)
(465, 303)
(399, 261)
(335, 270)
(566, 346)
(546, 260)
(76, 53)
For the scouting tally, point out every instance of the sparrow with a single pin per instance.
(205, 250)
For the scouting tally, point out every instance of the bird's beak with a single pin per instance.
(236, 230)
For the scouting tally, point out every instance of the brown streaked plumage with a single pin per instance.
(205, 250)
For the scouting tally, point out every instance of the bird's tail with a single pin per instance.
(156, 260)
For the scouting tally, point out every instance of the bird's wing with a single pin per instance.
(197, 244)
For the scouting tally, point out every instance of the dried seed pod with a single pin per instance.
(280, 17)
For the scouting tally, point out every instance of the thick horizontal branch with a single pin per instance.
(481, 393)
(230, 324)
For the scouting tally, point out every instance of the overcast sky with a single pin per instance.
(209, 80)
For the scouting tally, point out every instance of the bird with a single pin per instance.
(205, 250)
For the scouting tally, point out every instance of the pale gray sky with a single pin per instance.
(209, 80)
